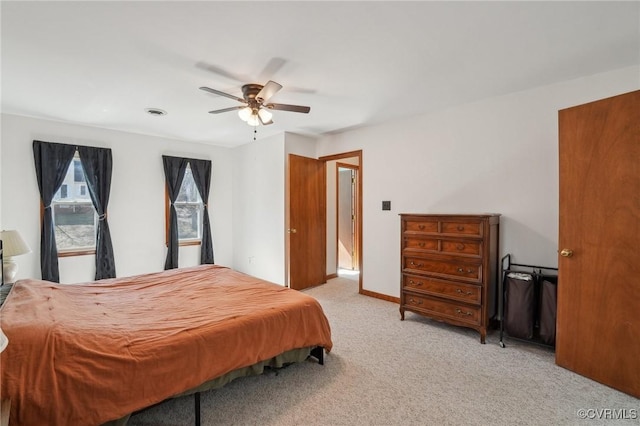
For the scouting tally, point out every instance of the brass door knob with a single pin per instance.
(292, 230)
(566, 253)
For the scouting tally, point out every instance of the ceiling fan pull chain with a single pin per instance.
(255, 130)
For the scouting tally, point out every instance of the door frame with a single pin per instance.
(359, 248)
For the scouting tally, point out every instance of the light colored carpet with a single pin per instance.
(383, 371)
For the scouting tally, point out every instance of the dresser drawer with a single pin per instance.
(454, 269)
(470, 247)
(467, 228)
(443, 308)
(415, 243)
(426, 226)
(468, 293)
(437, 245)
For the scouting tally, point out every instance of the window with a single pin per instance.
(189, 207)
(74, 217)
(78, 172)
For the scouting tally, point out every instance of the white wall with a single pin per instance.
(258, 209)
(1, 226)
(497, 155)
(260, 204)
(136, 207)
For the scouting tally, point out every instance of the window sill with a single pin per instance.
(186, 243)
(71, 253)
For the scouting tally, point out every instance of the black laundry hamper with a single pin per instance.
(548, 309)
(519, 315)
(527, 302)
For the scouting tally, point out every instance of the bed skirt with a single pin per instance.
(288, 357)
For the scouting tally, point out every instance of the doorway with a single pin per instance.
(346, 215)
(344, 243)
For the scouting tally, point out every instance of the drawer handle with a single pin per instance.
(460, 228)
(460, 246)
(467, 293)
(458, 311)
(412, 300)
(461, 270)
(421, 227)
(419, 265)
(416, 283)
(421, 244)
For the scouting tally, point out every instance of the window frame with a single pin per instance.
(167, 216)
(80, 251)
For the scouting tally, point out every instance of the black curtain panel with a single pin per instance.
(52, 161)
(97, 165)
(174, 169)
(201, 170)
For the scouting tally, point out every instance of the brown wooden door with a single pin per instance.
(307, 222)
(598, 319)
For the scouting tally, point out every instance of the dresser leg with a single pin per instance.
(483, 334)
(401, 314)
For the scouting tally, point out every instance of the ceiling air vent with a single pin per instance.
(155, 111)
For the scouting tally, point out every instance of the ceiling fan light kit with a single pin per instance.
(254, 109)
(245, 113)
(265, 115)
(253, 120)
(254, 117)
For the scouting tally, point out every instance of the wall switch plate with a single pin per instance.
(386, 205)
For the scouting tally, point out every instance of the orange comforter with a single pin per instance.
(89, 353)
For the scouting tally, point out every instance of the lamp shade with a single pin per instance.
(253, 120)
(13, 244)
(3, 341)
(245, 113)
(265, 115)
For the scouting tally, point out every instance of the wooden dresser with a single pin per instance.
(450, 267)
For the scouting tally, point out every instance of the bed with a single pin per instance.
(88, 354)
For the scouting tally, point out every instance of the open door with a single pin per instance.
(307, 222)
(598, 320)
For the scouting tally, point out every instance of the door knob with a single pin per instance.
(292, 231)
(566, 253)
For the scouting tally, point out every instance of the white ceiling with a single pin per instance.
(355, 63)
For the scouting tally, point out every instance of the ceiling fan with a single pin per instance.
(254, 109)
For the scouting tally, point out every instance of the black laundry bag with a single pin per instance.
(519, 315)
(548, 309)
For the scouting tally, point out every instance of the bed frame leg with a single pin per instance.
(197, 402)
(318, 353)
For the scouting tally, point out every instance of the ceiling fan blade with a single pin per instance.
(222, 72)
(219, 93)
(218, 111)
(269, 89)
(272, 67)
(293, 108)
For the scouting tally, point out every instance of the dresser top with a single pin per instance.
(461, 215)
